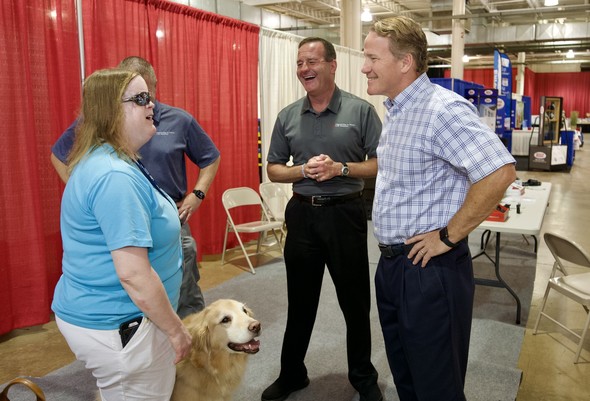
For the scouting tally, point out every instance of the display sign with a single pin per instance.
(540, 158)
(502, 73)
(503, 82)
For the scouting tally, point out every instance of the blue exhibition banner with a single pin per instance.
(503, 83)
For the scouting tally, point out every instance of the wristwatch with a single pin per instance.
(345, 170)
(199, 194)
(444, 237)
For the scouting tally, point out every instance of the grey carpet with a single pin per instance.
(517, 267)
(492, 372)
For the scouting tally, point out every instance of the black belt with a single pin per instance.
(391, 251)
(323, 200)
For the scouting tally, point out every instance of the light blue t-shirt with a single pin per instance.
(109, 204)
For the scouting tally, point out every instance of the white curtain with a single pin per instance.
(279, 86)
(350, 78)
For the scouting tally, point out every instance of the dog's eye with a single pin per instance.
(226, 319)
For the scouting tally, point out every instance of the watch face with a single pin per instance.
(344, 170)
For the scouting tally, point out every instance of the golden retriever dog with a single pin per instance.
(224, 334)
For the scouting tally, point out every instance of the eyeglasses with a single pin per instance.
(312, 62)
(141, 99)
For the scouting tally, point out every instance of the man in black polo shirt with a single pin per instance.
(332, 137)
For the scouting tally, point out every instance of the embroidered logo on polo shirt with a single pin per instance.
(344, 125)
(165, 133)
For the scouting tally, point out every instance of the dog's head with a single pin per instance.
(225, 323)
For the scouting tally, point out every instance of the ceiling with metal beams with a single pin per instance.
(543, 33)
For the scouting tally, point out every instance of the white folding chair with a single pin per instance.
(574, 286)
(275, 200)
(244, 196)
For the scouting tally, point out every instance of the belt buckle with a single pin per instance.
(386, 251)
(318, 198)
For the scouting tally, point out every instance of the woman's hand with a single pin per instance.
(181, 341)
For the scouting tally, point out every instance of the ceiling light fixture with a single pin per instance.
(570, 54)
(366, 16)
(572, 61)
(465, 58)
(551, 3)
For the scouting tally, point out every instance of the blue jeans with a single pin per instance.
(191, 298)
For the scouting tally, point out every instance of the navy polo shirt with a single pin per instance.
(178, 133)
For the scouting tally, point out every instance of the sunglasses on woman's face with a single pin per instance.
(141, 99)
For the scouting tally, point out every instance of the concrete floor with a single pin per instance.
(546, 358)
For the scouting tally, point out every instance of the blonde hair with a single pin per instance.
(405, 36)
(101, 117)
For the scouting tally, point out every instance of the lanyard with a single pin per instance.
(152, 181)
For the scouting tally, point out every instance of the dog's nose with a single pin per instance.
(254, 327)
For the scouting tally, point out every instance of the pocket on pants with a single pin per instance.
(149, 345)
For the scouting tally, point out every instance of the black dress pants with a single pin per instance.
(334, 236)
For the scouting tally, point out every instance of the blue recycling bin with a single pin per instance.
(567, 138)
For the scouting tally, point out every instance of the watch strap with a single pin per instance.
(444, 237)
(199, 194)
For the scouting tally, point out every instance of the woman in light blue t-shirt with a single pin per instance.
(115, 302)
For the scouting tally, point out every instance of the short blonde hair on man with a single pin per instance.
(101, 117)
(142, 67)
(405, 37)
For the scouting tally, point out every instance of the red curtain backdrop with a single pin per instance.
(206, 64)
(482, 76)
(530, 88)
(40, 82)
(573, 87)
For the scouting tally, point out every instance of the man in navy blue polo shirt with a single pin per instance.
(178, 134)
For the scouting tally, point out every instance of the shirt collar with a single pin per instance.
(333, 106)
(410, 94)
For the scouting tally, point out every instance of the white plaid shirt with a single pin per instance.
(432, 148)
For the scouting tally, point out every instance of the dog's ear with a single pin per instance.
(201, 343)
(201, 337)
(196, 325)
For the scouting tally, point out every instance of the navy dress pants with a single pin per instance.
(425, 315)
(334, 236)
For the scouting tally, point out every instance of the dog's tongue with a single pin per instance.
(251, 347)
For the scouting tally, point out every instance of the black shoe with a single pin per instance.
(279, 390)
(374, 394)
